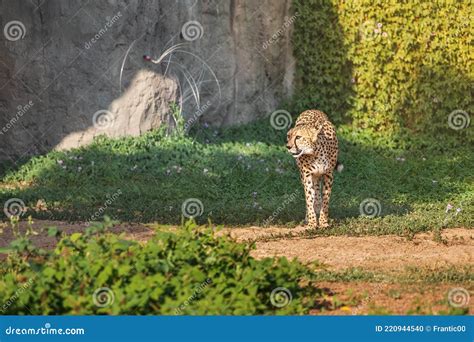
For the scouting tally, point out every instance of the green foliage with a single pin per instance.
(190, 271)
(386, 66)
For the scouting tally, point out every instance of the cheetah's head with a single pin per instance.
(302, 140)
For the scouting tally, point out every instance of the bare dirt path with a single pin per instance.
(387, 254)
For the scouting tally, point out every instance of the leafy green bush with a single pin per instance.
(190, 271)
(386, 65)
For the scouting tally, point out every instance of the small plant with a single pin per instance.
(21, 244)
(178, 119)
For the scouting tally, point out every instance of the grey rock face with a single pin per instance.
(71, 70)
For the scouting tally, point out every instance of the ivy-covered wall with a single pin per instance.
(386, 65)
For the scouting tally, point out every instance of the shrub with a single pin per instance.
(190, 271)
(386, 65)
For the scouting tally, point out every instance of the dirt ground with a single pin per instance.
(388, 254)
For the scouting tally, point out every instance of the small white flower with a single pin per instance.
(205, 170)
(60, 162)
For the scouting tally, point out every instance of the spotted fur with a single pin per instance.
(314, 145)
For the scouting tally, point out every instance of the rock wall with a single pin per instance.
(70, 70)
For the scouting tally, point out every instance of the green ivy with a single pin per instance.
(386, 66)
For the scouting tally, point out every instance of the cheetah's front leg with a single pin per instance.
(317, 190)
(324, 213)
(310, 195)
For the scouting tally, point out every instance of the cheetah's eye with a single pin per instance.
(298, 137)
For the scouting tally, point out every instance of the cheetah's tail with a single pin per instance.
(339, 167)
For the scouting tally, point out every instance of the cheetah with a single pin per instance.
(313, 143)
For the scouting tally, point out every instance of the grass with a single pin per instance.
(453, 274)
(243, 176)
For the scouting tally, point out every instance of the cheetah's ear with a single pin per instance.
(317, 130)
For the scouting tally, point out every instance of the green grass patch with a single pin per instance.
(242, 176)
(426, 275)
